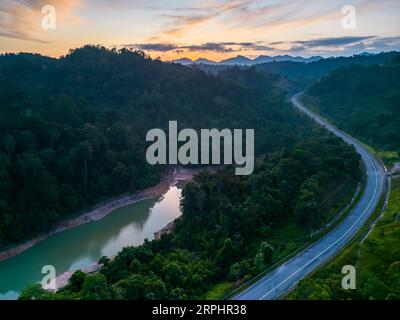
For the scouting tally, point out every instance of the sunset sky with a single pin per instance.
(213, 29)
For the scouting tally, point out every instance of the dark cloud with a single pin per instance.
(20, 36)
(297, 48)
(386, 41)
(229, 47)
(259, 47)
(344, 45)
(276, 43)
(332, 42)
(242, 44)
(377, 45)
(209, 46)
(163, 47)
(347, 45)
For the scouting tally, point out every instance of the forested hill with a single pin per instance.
(72, 130)
(317, 69)
(232, 228)
(364, 101)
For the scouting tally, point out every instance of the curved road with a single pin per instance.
(284, 277)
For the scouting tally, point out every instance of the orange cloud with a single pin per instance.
(22, 19)
(209, 10)
(180, 27)
(183, 24)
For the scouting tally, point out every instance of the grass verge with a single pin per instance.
(375, 252)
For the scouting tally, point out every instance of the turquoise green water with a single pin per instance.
(80, 247)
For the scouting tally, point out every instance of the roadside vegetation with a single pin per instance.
(311, 71)
(365, 102)
(376, 258)
(232, 228)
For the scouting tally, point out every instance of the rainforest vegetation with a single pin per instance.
(72, 130)
(364, 101)
(377, 257)
(228, 229)
(73, 133)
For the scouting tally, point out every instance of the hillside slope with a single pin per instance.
(72, 130)
(317, 69)
(364, 101)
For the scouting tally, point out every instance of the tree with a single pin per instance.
(9, 144)
(35, 292)
(177, 294)
(173, 274)
(133, 287)
(307, 208)
(225, 255)
(267, 252)
(311, 290)
(95, 287)
(154, 288)
(76, 281)
(235, 272)
(84, 153)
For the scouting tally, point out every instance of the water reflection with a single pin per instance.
(80, 247)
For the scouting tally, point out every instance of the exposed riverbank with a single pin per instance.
(169, 179)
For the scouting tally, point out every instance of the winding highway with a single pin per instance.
(283, 278)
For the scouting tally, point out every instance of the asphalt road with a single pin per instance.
(283, 278)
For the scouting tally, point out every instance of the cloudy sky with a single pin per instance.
(214, 29)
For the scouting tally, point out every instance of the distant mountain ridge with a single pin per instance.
(244, 61)
(317, 69)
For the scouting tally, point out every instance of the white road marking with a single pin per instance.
(364, 153)
(345, 234)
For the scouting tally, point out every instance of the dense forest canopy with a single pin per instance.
(364, 101)
(377, 258)
(225, 233)
(72, 133)
(72, 130)
(317, 69)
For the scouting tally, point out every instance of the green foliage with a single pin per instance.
(377, 261)
(72, 130)
(76, 281)
(363, 101)
(312, 290)
(217, 239)
(267, 252)
(219, 291)
(317, 69)
(35, 292)
(95, 287)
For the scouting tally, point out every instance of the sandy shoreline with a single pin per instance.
(99, 212)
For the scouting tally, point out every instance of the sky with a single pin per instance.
(212, 29)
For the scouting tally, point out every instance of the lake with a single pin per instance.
(82, 246)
